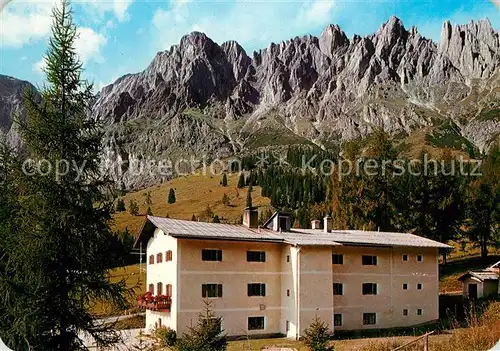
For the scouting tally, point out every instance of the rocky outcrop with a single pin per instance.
(12, 98)
(204, 100)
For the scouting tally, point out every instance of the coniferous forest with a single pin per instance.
(436, 196)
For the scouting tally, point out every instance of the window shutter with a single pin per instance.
(219, 290)
(263, 289)
(203, 290)
(249, 290)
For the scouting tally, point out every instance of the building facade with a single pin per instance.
(479, 284)
(275, 279)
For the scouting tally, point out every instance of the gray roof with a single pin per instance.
(361, 237)
(218, 231)
(192, 229)
(482, 276)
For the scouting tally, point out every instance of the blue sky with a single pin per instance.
(122, 36)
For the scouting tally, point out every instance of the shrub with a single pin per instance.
(120, 205)
(133, 208)
(166, 337)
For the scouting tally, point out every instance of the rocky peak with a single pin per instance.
(324, 89)
(471, 47)
(237, 57)
(331, 39)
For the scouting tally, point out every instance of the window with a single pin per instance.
(338, 289)
(419, 286)
(288, 292)
(405, 286)
(287, 326)
(337, 320)
(159, 258)
(337, 259)
(288, 258)
(369, 289)
(369, 318)
(159, 289)
(256, 256)
(151, 259)
(255, 323)
(256, 289)
(211, 255)
(168, 256)
(369, 260)
(419, 312)
(420, 258)
(405, 312)
(151, 288)
(211, 290)
(405, 258)
(168, 289)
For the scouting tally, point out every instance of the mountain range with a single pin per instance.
(203, 99)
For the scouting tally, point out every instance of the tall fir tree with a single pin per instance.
(224, 180)
(171, 196)
(206, 335)
(241, 181)
(59, 256)
(249, 197)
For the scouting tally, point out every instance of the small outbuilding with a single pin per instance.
(478, 284)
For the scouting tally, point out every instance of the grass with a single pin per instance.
(447, 135)
(489, 115)
(482, 333)
(134, 322)
(133, 281)
(193, 194)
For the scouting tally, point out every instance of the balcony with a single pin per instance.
(161, 303)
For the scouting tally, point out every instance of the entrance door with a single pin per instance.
(472, 293)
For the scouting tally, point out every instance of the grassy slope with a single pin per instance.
(193, 194)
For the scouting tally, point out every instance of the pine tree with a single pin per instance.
(149, 212)
(206, 335)
(224, 180)
(120, 205)
(60, 254)
(193, 218)
(317, 336)
(249, 197)
(171, 196)
(215, 219)
(241, 181)
(225, 200)
(133, 208)
(148, 200)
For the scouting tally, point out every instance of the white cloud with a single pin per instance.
(316, 12)
(39, 66)
(254, 24)
(99, 8)
(25, 21)
(88, 45)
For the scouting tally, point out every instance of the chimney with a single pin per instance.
(250, 217)
(315, 224)
(327, 224)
